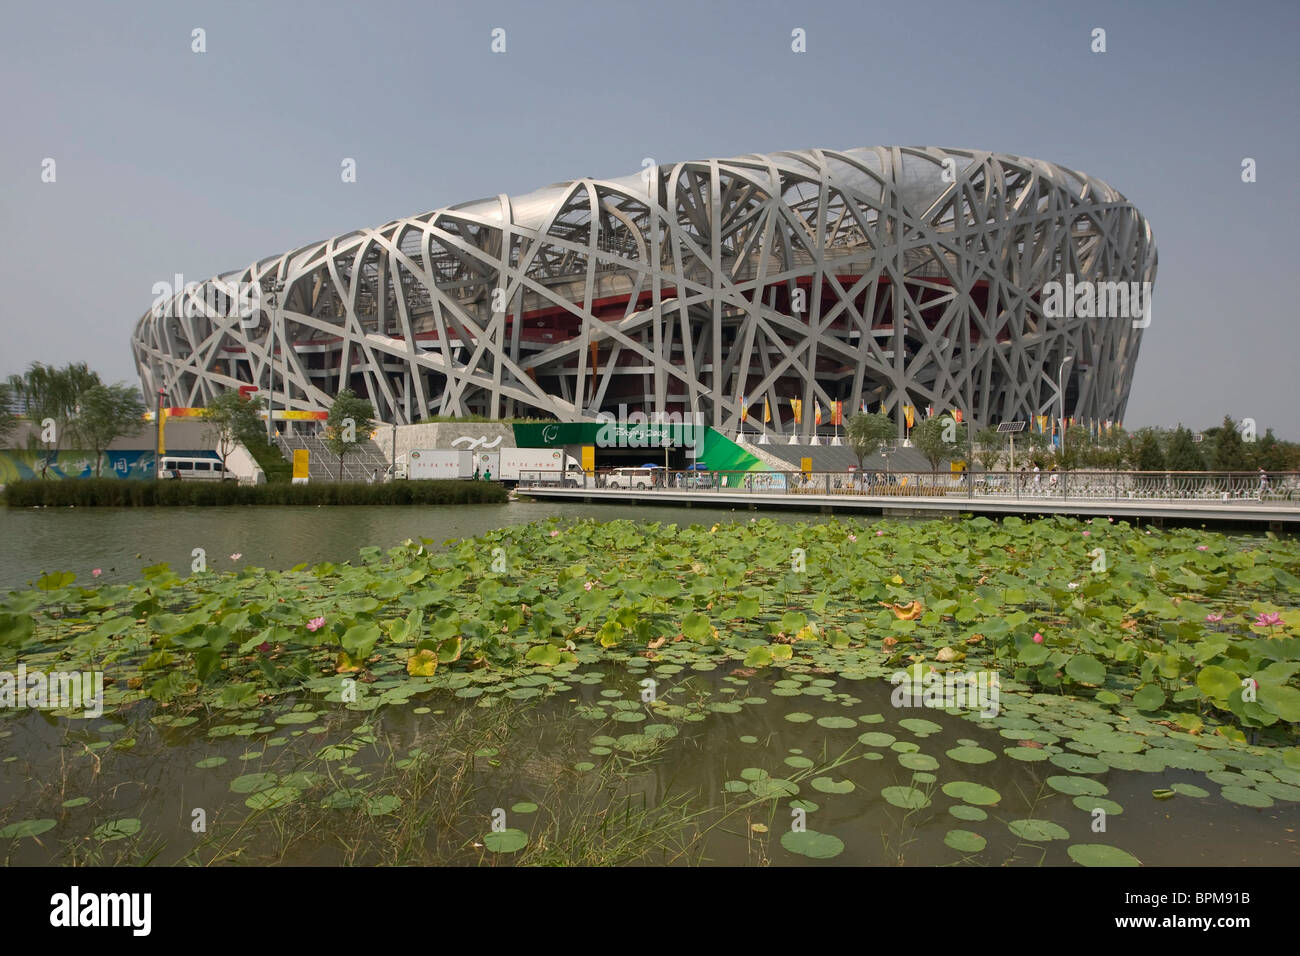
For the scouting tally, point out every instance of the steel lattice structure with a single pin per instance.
(884, 275)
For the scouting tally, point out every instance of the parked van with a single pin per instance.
(631, 478)
(192, 469)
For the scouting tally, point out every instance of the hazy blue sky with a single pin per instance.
(170, 161)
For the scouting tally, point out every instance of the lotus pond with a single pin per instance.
(617, 692)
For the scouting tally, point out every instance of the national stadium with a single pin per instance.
(882, 278)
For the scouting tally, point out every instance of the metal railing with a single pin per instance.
(1275, 488)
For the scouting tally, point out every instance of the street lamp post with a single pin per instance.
(1060, 390)
(272, 302)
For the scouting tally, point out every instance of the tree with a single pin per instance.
(232, 420)
(1229, 450)
(51, 396)
(349, 417)
(988, 447)
(866, 433)
(1148, 456)
(936, 439)
(105, 414)
(1183, 454)
(8, 420)
(1270, 454)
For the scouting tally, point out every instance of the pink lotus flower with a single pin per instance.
(97, 572)
(1202, 547)
(1087, 533)
(879, 533)
(316, 623)
(1214, 618)
(555, 534)
(853, 537)
(236, 556)
(589, 585)
(1268, 620)
(1038, 638)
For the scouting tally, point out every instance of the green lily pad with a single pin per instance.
(828, 785)
(970, 754)
(27, 828)
(505, 841)
(965, 841)
(876, 738)
(1038, 831)
(963, 812)
(1074, 786)
(117, 829)
(972, 793)
(919, 726)
(252, 782)
(836, 723)
(1247, 797)
(909, 798)
(1090, 803)
(810, 843)
(1099, 854)
(917, 761)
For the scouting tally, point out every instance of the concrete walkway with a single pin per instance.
(1243, 511)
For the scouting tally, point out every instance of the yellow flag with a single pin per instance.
(767, 411)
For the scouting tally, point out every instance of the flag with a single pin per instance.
(956, 415)
(909, 413)
(864, 406)
(929, 411)
(1042, 424)
(767, 412)
(837, 412)
(796, 405)
(817, 411)
(744, 409)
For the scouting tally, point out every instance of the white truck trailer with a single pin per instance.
(539, 464)
(434, 463)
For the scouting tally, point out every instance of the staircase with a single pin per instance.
(323, 464)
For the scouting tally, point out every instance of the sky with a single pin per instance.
(168, 160)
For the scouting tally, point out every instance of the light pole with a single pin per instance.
(1060, 390)
(272, 301)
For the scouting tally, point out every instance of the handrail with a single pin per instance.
(1279, 488)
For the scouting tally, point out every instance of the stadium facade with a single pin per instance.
(884, 277)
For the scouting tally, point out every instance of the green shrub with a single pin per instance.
(115, 493)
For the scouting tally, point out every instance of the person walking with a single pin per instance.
(487, 475)
(1263, 483)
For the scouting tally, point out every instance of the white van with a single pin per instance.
(192, 469)
(631, 478)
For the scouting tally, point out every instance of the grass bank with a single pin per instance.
(112, 492)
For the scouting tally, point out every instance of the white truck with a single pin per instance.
(435, 463)
(539, 464)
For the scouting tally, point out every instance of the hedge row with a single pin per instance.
(113, 492)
